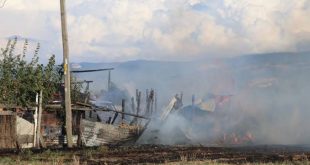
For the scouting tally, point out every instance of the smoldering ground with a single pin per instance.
(269, 96)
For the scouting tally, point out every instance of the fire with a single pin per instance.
(236, 139)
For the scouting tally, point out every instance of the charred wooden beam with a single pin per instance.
(123, 110)
(83, 104)
(109, 81)
(81, 109)
(133, 104)
(81, 82)
(138, 100)
(74, 107)
(125, 113)
(109, 120)
(114, 118)
(92, 70)
(155, 101)
(149, 102)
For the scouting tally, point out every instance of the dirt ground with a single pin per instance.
(153, 154)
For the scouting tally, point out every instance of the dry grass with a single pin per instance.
(209, 162)
(103, 154)
(76, 161)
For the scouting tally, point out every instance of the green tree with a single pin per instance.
(21, 79)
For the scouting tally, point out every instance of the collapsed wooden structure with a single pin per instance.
(44, 125)
(89, 129)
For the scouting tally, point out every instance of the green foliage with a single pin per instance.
(21, 79)
(76, 90)
(77, 94)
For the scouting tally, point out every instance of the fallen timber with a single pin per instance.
(96, 132)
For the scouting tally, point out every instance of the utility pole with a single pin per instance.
(66, 73)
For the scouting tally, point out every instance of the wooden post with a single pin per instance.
(86, 92)
(151, 97)
(114, 118)
(193, 100)
(66, 73)
(192, 113)
(138, 99)
(38, 134)
(155, 100)
(109, 81)
(147, 96)
(109, 120)
(181, 96)
(36, 121)
(149, 102)
(133, 111)
(133, 105)
(123, 110)
(14, 130)
(147, 111)
(78, 124)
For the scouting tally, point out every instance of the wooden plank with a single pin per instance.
(8, 131)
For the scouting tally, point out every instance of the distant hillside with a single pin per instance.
(218, 76)
(198, 75)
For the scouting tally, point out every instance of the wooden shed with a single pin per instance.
(8, 130)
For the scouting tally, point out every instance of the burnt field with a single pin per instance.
(144, 154)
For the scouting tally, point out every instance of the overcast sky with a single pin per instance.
(120, 30)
